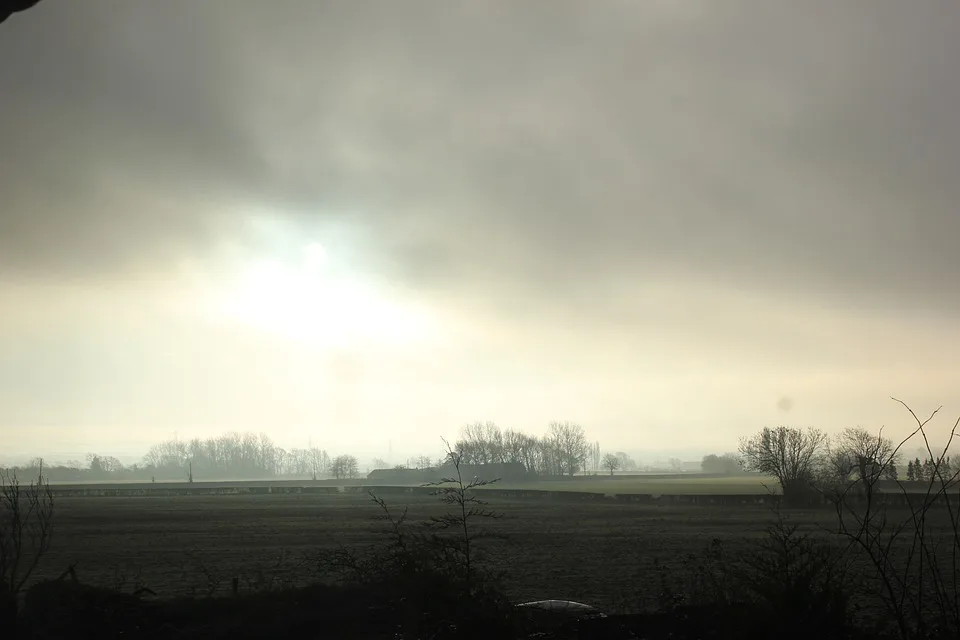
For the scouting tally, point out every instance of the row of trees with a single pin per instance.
(240, 455)
(927, 470)
(564, 450)
(804, 460)
(232, 456)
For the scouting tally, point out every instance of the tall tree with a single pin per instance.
(319, 461)
(867, 456)
(626, 462)
(611, 462)
(569, 443)
(344, 466)
(793, 456)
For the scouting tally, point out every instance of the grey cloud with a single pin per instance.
(509, 149)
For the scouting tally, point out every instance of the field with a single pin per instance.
(629, 484)
(656, 484)
(604, 554)
(607, 553)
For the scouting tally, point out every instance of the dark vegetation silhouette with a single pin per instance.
(563, 451)
(10, 7)
(887, 567)
(728, 463)
(26, 514)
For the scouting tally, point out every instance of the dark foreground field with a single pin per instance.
(603, 554)
(619, 557)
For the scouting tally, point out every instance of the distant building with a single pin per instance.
(402, 476)
(508, 472)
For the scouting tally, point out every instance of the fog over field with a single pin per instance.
(364, 225)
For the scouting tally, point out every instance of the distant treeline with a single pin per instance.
(727, 463)
(231, 456)
(564, 450)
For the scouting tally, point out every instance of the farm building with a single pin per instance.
(511, 472)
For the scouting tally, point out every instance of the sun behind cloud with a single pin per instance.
(306, 299)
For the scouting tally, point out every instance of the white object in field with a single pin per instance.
(567, 607)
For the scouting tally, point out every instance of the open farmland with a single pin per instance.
(602, 553)
(665, 484)
(676, 484)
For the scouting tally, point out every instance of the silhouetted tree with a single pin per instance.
(562, 451)
(595, 458)
(344, 466)
(232, 456)
(793, 456)
(320, 461)
(420, 462)
(103, 467)
(480, 443)
(726, 463)
(25, 516)
(626, 462)
(611, 462)
(569, 444)
(869, 457)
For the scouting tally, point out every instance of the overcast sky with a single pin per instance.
(369, 223)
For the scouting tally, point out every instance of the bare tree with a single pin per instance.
(626, 462)
(481, 443)
(793, 456)
(103, 466)
(457, 493)
(872, 457)
(420, 462)
(916, 563)
(570, 446)
(515, 445)
(25, 515)
(319, 461)
(595, 458)
(611, 462)
(344, 466)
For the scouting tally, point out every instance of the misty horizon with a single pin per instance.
(671, 223)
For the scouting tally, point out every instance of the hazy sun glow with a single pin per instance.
(306, 300)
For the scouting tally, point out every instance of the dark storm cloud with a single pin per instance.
(515, 147)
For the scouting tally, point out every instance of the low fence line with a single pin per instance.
(116, 492)
(892, 499)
